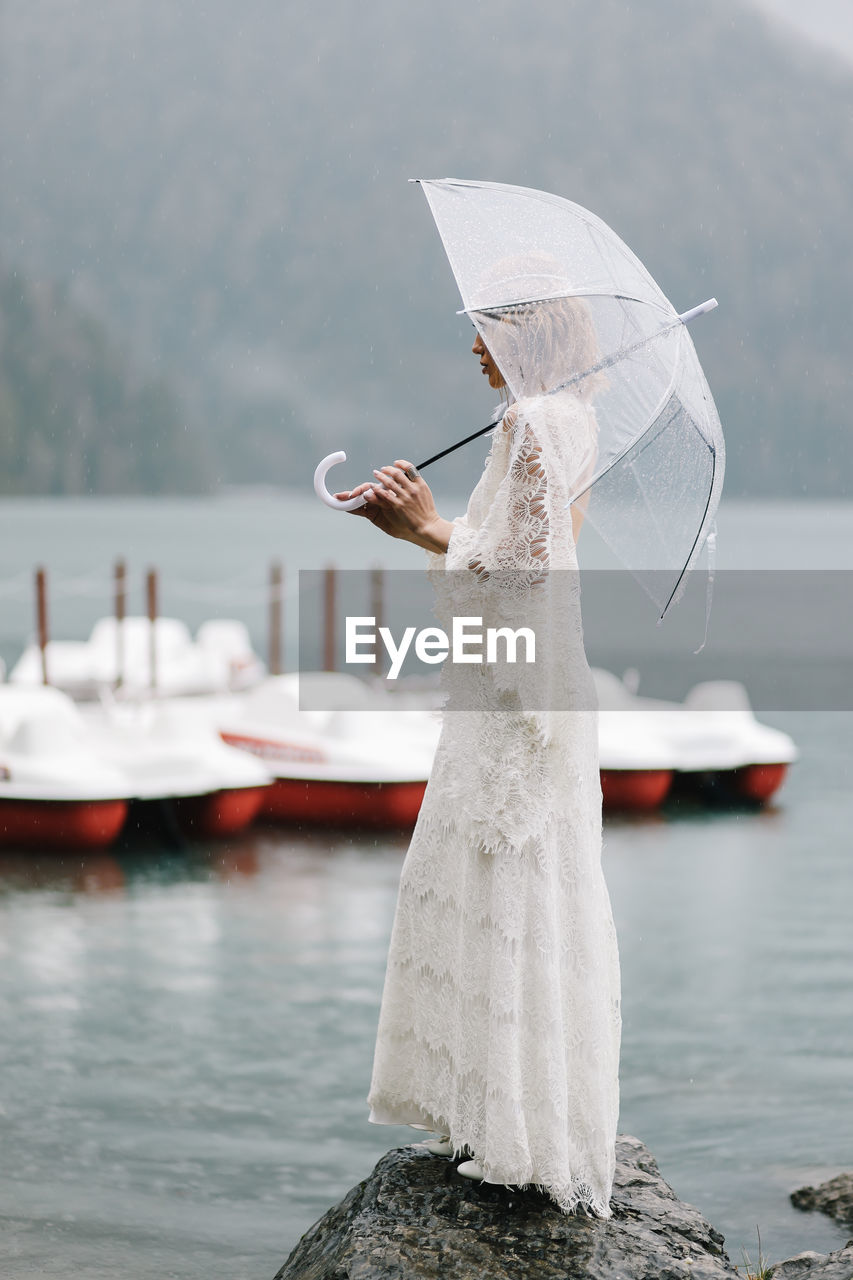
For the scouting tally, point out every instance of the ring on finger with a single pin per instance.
(411, 473)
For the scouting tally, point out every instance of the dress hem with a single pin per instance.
(569, 1200)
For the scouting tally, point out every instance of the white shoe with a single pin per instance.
(471, 1169)
(440, 1146)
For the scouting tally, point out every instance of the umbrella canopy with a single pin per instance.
(562, 302)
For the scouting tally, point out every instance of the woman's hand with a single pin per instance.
(400, 503)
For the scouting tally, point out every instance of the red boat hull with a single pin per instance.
(380, 805)
(758, 782)
(638, 789)
(386, 805)
(750, 785)
(71, 824)
(221, 813)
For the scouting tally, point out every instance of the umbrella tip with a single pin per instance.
(701, 310)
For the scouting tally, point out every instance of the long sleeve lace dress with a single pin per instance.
(500, 1019)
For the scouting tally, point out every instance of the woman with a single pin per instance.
(500, 1023)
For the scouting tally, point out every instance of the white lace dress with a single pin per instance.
(500, 1017)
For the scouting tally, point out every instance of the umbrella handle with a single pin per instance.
(339, 504)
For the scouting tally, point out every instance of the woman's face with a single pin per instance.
(487, 364)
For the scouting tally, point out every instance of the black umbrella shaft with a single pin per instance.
(490, 426)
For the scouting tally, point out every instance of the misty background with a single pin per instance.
(213, 270)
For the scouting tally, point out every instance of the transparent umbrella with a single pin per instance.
(562, 303)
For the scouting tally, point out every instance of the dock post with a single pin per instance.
(120, 585)
(151, 596)
(275, 654)
(41, 619)
(329, 601)
(377, 609)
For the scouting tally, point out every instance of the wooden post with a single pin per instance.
(275, 655)
(41, 619)
(151, 594)
(329, 594)
(120, 583)
(377, 609)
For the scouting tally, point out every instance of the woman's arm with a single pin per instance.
(515, 536)
(403, 508)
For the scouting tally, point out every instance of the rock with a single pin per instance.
(817, 1266)
(834, 1197)
(415, 1217)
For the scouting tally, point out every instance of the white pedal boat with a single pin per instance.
(68, 776)
(169, 753)
(365, 765)
(218, 660)
(711, 743)
(56, 789)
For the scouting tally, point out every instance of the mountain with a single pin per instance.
(75, 418)
(225, 187)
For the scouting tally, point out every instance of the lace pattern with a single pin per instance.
(500, 1018)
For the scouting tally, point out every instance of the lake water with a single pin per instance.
(186, 1036)
(213, 554)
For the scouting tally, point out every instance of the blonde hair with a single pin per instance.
(546, 345)
(562, 335)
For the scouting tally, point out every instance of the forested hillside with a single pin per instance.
(225, 186)
(75, 418)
